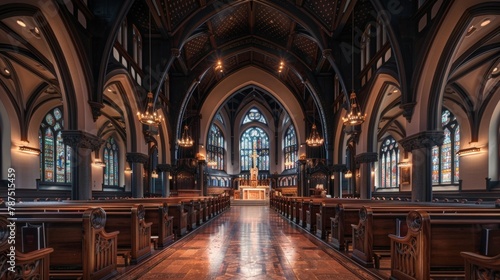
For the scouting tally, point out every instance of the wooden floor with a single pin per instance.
(248, 242)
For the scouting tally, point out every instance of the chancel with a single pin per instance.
(249, 139)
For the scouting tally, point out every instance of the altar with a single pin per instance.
(254, 193)
(255, 187)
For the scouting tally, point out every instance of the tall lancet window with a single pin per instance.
(445, 167)
(55, 157)
(215, 147)
(110, 156)
(389, 158)
(290, 148)
(254, 138)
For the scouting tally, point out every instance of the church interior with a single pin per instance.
(335, 117)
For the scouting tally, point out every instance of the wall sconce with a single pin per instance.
(170, 177)
(29, 150)
(154, 174)
(332, 177)
(468, 151)
(128, 170)
(99, 163)
(348, 174)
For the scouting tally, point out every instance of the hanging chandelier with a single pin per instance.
(348, 174)
(186, 141)
(314, 139)
(354, 115)
(150, 117)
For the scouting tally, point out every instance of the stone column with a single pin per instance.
(201, 177)
(164, 171)
(82, 144)
(365, 186)
(337, 181)
(303, 188)
(420, 145)
(137, 161)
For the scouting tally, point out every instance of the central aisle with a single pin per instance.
(248, 242)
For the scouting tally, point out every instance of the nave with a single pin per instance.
(248, 242)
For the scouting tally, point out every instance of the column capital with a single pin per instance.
(338, 168)
(424, 139)
(81, 139)
(366, 157)
(164, 167)
(137, 158)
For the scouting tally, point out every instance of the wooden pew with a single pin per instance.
(82, 249)
(434, 241)
(162, 233)
(134, 241)
(479, 267)
(311, 214)
(323, 224)
(29, 265)
(376, 222)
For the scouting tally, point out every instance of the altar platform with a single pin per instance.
(253, 190)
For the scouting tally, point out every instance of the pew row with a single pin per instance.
(82, 249)
(134, 240)
(434, 241)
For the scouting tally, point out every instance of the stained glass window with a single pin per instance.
(290, 147)
(55, 157)
(389, 158)
(445, 164)
(215, 147)
(110, 155)
(254, 115)
(254, 138)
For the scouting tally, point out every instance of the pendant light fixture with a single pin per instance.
(185, 141)
(354, 115)
(150, 117)
(314, 139)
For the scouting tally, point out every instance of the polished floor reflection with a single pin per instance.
(248, 242)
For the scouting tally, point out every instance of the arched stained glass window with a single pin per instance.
(55, 157)
(445, 164)
(215, 147)
(110, 156)
(254, 115)
(254, 138)
(389, 158)
(290, 148)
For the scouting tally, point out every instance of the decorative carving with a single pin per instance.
(164, 167)
(414, 221)
(408, 109)
(363, 213)
(96, 109)
(366, 158)
(164, 209)
(141, 212)
(338, 168)
(98, 218)
(80, 139)
(102, 244)
(137, 158)
(425, 139)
